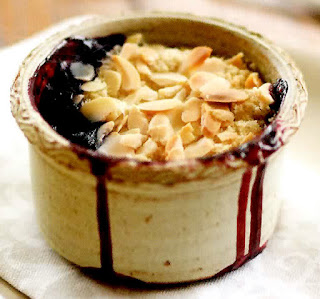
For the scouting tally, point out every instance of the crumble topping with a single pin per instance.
(161, 103)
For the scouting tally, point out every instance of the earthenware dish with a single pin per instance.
(160, 222)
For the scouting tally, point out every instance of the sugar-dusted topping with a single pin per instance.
(161, 103)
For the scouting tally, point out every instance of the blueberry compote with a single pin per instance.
(53, 86)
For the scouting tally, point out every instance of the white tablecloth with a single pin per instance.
(288, 268)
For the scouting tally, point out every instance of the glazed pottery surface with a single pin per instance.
(158, 222)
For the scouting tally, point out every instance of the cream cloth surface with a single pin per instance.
(290, 265)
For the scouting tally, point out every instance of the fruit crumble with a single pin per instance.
(161, 103)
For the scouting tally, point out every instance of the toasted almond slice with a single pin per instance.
(130, 76)
(169, 92)
(198, 79)
(135, 38)
(137, 119)
(200, 148)
(113, 81)
(101, 108)
(174, 148)
(195, 58)
(209, 125)
(148, 148)
(160, 128)
(104, 131)
(82, 71)
(148, 55)
(142, 68)
(212, 65)
(132, 131)
(192, 110)
(220, 111)
(113, 147)
(159, 120)
(129, 51)
(213, 92)
(160, 105)
(133, 140)
(237, 61)
(77, 99)
(168, 79)
(120, 122)
(144, 93)
(94, 85)
(196, 125)
(227, 135)
(186, 134)
(265, 95)
(223, 115)
(181, 95)
(253, 80)
(201, 79)
(142, 157)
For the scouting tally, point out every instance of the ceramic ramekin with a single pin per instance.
(160, 222)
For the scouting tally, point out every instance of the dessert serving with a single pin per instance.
(156, 143)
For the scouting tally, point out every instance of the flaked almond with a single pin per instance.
(135, 38)
(210, 126)
(192, 110)
(220, 111)
(227, 135)
(199, 80)
(186, 134)
(129, 51)
(160, 128)
(77, 99)
(174, 148)
(148, 55)
(168, 79)
(144, 93)
(130, 76)
(212, 65)
(215, 92)
(159, 105)
(237, 61)
(143, 69)
(265, 95)
(104, 131)
(137, 119)
(82, 71)
(101, 109)
(253, 80)
(223, 115)
(149, 148)
(195, 58)
(142, 157)
(120, 122)
(200, 148)
(94, 85)
(133, 140)
(169, 92)
(113, 81)
(181, 95)
(113, 147)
